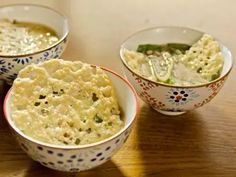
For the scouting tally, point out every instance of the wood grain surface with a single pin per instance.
(200, 143)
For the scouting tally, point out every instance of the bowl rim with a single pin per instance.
(61, 39)
(74, 147)
(169, 85)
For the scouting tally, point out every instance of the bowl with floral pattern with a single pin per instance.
(166, 98)
(10, 64)
(75, 158)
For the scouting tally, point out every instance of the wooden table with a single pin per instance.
(200, 143)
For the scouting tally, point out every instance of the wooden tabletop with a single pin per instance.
(200, 143)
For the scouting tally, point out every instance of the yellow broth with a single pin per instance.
(17, 38)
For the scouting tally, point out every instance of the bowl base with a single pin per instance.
(171, 113)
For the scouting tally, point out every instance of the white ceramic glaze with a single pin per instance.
(169, 99)
(10, 65)
(84, 157)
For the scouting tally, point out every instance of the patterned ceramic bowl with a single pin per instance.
(9, 64)
(169, 99)
(84, 157)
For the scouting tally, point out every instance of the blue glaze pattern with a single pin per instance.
(9, 67)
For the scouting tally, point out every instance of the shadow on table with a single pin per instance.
(3, 91)
(169, 144)
(37, 170)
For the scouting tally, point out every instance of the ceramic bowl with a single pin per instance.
(83, 157)
(10, 65)
(169, 99)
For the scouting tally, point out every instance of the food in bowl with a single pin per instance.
(170, 98)
(75, 158)
(20, 37)
(11, 62)
(176, 63)
(65, 103)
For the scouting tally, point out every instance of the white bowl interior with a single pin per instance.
(126, 97)
(228, 62)
(37, 14)
(162, 35)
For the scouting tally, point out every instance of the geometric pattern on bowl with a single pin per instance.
(73, 160)
(173, 99)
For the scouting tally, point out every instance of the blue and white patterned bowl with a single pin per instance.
(10, 65)
(84, 157)
(171, 99)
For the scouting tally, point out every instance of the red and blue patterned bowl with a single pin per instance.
(83, 157)
(170, 99)
(10, 65)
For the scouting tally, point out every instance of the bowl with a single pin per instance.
(170, 99)
(10, 65)
(81, 157)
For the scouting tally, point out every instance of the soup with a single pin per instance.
(18, 38)
(178, 64)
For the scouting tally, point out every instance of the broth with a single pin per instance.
(18, 38)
